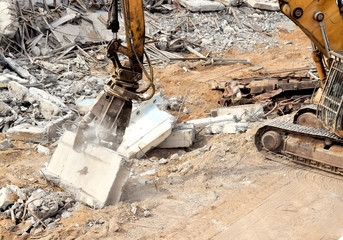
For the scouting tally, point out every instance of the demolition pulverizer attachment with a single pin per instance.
(109, 116)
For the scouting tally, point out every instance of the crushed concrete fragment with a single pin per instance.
(43, 150)
(8, 19)
(227, 127)
(200, 123)
(249, 113)
(240, 127)
(27, 132)
(83, 106)
(163, 161)
(66, 214)
(202, 5)
(4, 144)
(174, 157)
(148, 173)
(49, 105)
(179, 138)
(7, 198)
(264, 5)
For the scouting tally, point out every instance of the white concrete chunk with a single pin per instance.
(49, 105)
(250, 112)
(235, 127)
(7, 197)
(264, 5)
(8, 19)
(227, 127)
(83, 106)
(18, 89)
(27, 132)
(43, 150)
(199, 123)
(179, 138)
(202, 5)
(149, 126)
(95, 176)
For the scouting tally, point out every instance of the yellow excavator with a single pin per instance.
(315, 138)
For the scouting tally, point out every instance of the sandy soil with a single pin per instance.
(221, 188)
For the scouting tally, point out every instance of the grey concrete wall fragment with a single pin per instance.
(202, 5)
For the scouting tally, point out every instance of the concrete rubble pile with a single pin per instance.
(242, 27)
(34, 209)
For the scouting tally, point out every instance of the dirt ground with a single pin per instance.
(221, 188)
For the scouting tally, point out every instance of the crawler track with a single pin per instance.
(285, 129)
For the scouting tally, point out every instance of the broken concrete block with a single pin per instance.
(8, 19)
(43, 150)
(179, 138)
(95, 176)
(5, 110)
(250, 112)
(4, 144)
(264, 5)
(5, 78)
(48, 132)
(202, 5)
(235, 127)
(27, 132)
(7, 197)
(18, 89)
(50, 3)
(149, 126)
(200, 123)
(22, 72)
(227, 127)
(231, 3)
(49, 105)
(83, 106)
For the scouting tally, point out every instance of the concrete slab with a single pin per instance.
(264, 5)
(202, 5)
(95, 176)
(179, 138)
(27, 132)
(83, 106)
(149, 126)
(249, 112)
(227, 127)
(203, 122)
(46, 133)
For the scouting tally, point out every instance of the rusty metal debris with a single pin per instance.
(280, 93)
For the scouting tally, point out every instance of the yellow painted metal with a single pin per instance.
(133, 12)
(333, 21)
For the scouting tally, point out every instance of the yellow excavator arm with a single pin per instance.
(322, 22)
(109, 116)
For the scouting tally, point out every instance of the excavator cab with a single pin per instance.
(330, 106)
